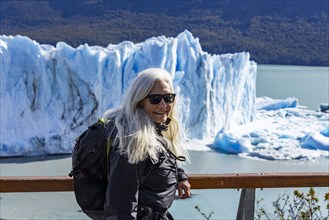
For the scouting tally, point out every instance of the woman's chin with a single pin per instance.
(160, 120)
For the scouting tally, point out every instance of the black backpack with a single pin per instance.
(89, 165)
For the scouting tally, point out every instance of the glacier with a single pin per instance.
(50, 94)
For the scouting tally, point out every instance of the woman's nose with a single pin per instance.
(163, 103)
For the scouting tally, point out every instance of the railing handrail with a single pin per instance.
(197, 181)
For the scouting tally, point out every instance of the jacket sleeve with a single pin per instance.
(122, 190)
(181, 174)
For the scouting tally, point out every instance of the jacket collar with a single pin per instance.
(159, 127)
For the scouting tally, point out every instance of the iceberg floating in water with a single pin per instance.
(324, 107)
(317, 140)
(279, 132)
(266, 103)
(230, 144)
(50, 94)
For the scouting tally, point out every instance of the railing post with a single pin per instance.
(246, 210)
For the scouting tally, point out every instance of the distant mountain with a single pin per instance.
(274, 32)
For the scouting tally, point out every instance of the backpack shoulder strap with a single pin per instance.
(107, 134)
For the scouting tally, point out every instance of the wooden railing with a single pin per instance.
(248, 182)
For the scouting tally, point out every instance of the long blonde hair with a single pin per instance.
(136, 130)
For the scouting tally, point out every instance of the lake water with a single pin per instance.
(308, 84)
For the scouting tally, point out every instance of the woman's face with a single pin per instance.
(158, 112)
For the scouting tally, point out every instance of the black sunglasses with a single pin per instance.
(156, 98)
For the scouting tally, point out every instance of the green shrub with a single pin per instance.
(302, 206)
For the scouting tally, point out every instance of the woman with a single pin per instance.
(143, 174)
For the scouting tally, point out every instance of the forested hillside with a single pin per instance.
(274, 32)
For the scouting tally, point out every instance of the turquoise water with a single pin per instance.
(309, 84)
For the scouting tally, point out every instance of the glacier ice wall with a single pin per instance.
(50, 94)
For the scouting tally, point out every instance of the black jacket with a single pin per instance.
(147, 183)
